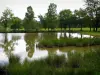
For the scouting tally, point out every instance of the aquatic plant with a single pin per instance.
(75, 64)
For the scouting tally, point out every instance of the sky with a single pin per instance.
(19, 7)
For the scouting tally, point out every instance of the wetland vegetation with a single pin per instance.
(20, 54)
(64, 43)
(75, 64)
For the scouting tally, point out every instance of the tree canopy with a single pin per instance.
(79, 18)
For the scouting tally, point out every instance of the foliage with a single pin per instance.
(87, 17)
(29, 22)
(6, 17)
(52, 16)
(43, 21)
(16, 23)
(80, 14)
(64, 17)
(93, 11)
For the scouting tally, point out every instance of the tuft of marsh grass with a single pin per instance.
(13, 59)
(75, 64)
(75, 60)
(55, 60)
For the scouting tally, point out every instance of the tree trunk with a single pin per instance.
(48, 29)
(81, 27)
(69, 28)
(61, 28)
(96, 24)
(65, 29)
(45, 28)
(69, 35)
(90, 28)
(6, 39)
(5, 24)
(81, 36)
(96, 28)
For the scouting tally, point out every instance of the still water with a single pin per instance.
(23, 45)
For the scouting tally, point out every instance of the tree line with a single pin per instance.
(87, 17)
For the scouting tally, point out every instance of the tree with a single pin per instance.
(6, 17)
(92, 9)
(16, 23)
(64, 17)
(98, 16)
(43, 21)
(73, 20)
(29, 14)
(28, 22)
(80, 14)
(52, 16)
(37, 25)
(88, 21)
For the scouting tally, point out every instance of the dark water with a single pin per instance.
(23, 45)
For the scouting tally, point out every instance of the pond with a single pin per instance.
(23, 45)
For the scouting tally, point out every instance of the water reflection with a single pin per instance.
(30, 42)
(48, 36)
(23, 45)
(72, 35)
(7, 46)
(58, 52)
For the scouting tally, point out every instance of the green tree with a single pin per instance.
(16, 23)
(37, 25)
(43, 21)
(88, 21)
(28, 21)
(80, 14)
(98, 16)
(52, 16)
(6, 17)
(64, 17)
(73, 21)
(92, 9)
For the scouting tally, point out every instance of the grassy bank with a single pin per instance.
(63, 42)
(75, 64)
(46, 30)
(96, 34)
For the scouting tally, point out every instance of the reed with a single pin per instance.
(75, 64)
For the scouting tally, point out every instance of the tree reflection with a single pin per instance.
(65, 35)
(30, 39)
(8, 45)
(48, 36)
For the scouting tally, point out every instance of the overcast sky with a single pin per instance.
(39, 6)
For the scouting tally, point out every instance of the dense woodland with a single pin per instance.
(87, 17)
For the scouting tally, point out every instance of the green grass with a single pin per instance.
(72, 29)
(96, 34)
(63, 42)
(55, 30)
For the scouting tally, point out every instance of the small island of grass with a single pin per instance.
(63, 42)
